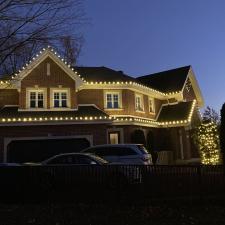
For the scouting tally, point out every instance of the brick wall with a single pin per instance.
(96, 96)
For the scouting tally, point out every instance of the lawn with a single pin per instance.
(181, 212)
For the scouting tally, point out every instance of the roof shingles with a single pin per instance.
(166, 81)
(101, 74)
(175, 112)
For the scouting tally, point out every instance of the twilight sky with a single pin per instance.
(147, 36)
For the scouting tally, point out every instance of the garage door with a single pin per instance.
(37, 150)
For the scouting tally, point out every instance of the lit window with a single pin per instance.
(151, 105)
(139, 103)
(114, 138)
(112, 100)
(60, 99)
(36, 99)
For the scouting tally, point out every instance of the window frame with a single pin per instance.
(141, 109)
(150, 99)
(60, 91)
(36, 91)
(112, 93)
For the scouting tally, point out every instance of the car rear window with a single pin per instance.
(101, 151)
(123, 151)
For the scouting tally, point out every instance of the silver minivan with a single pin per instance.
(122, 153)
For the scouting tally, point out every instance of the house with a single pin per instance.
(50, 107)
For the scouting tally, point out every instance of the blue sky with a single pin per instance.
(146, 36)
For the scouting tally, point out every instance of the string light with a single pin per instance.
(30, 119)
(131, 83)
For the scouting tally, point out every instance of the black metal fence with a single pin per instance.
(102, 183)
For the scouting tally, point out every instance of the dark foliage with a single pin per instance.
(29, 25)
(222, 131)
(210, 115)
(138, 137)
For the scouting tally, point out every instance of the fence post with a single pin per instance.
(199, 173)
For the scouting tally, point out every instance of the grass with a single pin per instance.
(157, 213)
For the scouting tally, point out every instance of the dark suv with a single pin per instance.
(122, 153)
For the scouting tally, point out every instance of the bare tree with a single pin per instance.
(71, 48)
(210, 115)
(28, 25)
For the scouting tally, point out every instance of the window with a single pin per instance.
(60, 99)
(112, 100)
(139, 103)
(151, 105)
(36, 99)
(122, 151)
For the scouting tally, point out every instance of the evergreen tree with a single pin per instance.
(222, 132)
(207, 140)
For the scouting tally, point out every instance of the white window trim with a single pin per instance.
(119, 92)
(29, 90)
(60, 90)
(141, 102)
(153, 105)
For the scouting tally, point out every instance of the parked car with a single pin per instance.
(9, 164)
(74, 169)
(133, 154)
(74, 159)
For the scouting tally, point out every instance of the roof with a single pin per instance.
(11, 113)
(175, 112)
(166, 81)
(101, 74)
(5, 77)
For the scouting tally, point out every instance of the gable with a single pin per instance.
(192, 83)
(48, 73)
(53, 58)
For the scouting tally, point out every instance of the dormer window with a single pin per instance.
(60, 99)
(36, 99)
(139, 105)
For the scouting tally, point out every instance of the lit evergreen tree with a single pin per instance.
(207, 140)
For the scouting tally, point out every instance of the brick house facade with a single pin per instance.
(50, 107)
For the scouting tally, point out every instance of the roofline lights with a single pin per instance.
(115, 83)
(40, 119)
(165, 123)
(15, 75)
